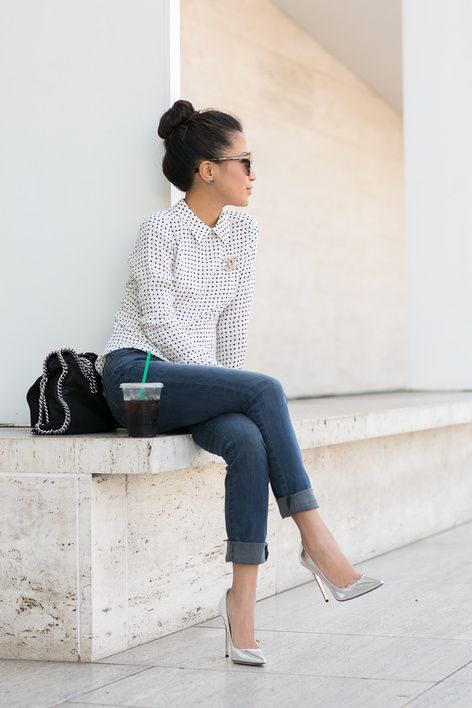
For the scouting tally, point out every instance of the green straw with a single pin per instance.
(148, 359)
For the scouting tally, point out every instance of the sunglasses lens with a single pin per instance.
(247, 163)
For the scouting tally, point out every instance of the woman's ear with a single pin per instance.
(206, 170)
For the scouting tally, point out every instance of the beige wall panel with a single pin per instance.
(329, 311)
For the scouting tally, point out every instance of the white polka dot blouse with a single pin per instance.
(190, 288)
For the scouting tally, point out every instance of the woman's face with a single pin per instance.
(232, 182)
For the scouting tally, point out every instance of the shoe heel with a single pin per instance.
(226, 643)
(359, 587)
(321, 587)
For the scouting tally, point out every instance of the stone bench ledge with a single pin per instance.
(318, 422)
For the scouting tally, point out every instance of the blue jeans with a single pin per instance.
(243, 417)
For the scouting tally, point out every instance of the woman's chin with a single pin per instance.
(242, 202)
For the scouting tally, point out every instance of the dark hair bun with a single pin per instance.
(191, 136)
(176, 116)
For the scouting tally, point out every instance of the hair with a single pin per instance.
(191, 136)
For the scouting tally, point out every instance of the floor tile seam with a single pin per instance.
(351, 634)
(105, 685)
(67, 664)
(102, 662)
(99, 705)
(266, 672)
(437, 683)
(66, 704)
(95, 705)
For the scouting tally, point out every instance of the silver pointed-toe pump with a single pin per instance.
(238, 656)
(361, 586)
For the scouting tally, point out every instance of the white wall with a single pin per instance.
(83, 86)
(437, 65)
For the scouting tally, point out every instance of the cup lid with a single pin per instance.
(153, 384)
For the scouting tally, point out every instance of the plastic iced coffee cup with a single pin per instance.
(142, 402)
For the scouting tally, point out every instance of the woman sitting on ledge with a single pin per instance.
(187, 301)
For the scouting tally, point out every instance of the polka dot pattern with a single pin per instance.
(190, 288)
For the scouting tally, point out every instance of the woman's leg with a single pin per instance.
(194, 393)
(242, 604)
(238, 440)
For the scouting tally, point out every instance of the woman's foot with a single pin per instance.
(321, 545)
(241, 619)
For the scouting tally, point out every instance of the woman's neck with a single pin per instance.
(201, 207)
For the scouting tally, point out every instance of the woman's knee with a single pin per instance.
(269, 386)
(241, 435)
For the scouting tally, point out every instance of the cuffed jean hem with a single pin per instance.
(300, 501)
(246, 552)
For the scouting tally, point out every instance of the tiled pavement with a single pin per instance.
(407, 644)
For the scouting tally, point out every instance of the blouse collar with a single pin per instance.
(198, 228)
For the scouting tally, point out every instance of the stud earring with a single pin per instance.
(212, 179)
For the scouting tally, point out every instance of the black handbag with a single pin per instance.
(68, 398)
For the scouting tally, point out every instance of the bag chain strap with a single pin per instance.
(87, 369)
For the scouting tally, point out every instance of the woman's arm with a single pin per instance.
(151, 264)
(232, 326)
